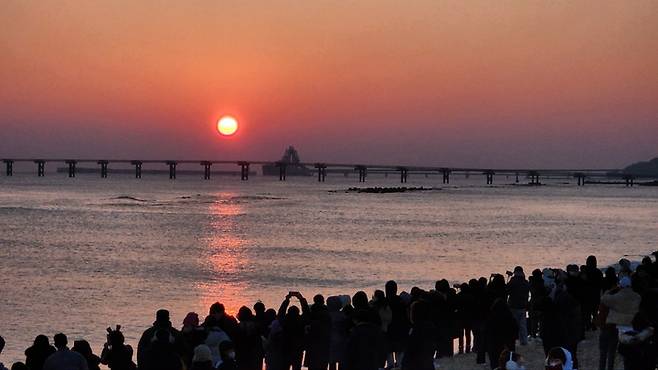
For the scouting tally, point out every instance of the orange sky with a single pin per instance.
(464, 83)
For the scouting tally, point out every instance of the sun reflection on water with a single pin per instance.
(224, 258)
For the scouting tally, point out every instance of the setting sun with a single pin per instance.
(227, 125)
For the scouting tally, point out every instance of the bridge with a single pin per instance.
(322, 169)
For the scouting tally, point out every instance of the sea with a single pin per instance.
(80, 254)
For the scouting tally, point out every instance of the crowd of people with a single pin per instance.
(407, 330)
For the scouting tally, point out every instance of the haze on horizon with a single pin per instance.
(478, 83)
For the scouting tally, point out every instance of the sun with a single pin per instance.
(227, 125)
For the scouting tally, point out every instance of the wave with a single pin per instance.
(127, 197)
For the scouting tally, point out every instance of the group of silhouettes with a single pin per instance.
(410, 331)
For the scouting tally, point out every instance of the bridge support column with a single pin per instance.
(534, 178)
(138, 168)
(446, 175)
(403, 175)
(172, 169)
(322, 171)
(282, 170)
(41, 167)
(490, 175)
(10, 167)
(206, 169)
(71, 165)
(244, 170)
(103, 164)
(363, 172)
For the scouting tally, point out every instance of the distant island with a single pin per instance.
(643, 169)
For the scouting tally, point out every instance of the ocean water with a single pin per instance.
(79, 255)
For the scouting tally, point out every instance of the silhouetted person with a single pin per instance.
(422, 339)
(202, 359)
(2, 346)
(227, 351)
(192, 335)
(293, 325)
(36, 355)
(219, 317)
(561, 317)
(593, 286)
(318, 335)
(276, 347)
(18, 366)
(161, 325)
(501, 331)
(636, 345)
(483, 301)
(360, 303)
(466, 306)
(63, 358)
(339, 332)
(398, 330)
(261, 318)
(444, 301)
(248, 343)
(116, 354)
(537, 294)
(365, 345)
(83, 348)
(518, 291)
(214, 337)
(161, 354)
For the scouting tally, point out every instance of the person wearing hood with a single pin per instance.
(161, 324)
(518, 291)
(559, 359)
(37, 354)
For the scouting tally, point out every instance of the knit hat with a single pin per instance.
(202, 353)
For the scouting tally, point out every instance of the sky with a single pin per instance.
(509, 83)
